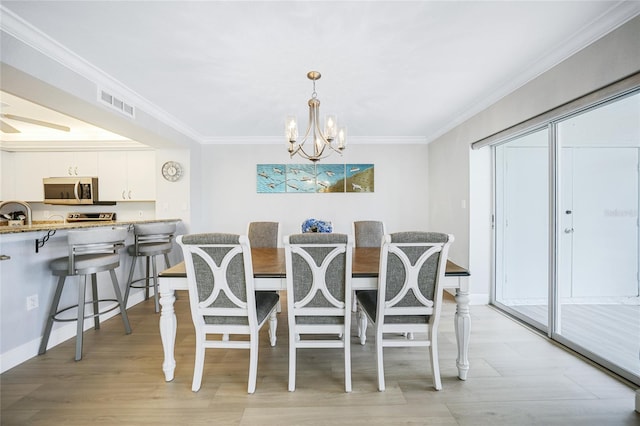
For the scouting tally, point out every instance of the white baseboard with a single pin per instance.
(58, 335)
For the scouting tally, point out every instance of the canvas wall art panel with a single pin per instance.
(270, 178)
(314, 178)
(301, 178)
(359, 178)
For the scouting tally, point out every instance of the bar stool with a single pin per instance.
(151, 240)
(90, 252)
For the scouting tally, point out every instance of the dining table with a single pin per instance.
(269, 273)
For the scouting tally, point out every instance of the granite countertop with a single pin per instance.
(49, 225)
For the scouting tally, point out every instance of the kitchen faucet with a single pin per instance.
(22, 203)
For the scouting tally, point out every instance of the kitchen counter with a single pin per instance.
(52, 225)
(27, 285)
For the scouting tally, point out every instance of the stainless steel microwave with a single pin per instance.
(71, 190)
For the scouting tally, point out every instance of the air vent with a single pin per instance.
(116, 103)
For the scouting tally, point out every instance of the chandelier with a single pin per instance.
(322, 142)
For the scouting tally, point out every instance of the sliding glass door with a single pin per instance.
(598, 235)
(522, 221)
(567, 236)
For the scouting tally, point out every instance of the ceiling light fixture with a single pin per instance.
(320, 140)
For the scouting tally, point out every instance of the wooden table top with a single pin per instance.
(270, 263)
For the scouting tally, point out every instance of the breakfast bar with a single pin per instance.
(269, 273)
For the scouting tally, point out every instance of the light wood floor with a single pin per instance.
(517, 377)
(610, 331)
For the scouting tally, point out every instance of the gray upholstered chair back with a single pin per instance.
(98, 236)
(318, 266)
(413, 264)
(220, 277)
(152, 238)
(368, 233)
(263, 234)
(91, 251)
(160, 228)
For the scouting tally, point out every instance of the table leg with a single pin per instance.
(463, 331)
(168, 324)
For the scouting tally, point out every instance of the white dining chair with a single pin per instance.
(319, 271)
(409, 296)
(223, 299)
(367, 233)
(263, 234)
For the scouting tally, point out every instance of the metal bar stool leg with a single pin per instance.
(131, 272)
(156, 294)
(82, 288)
(146, 281)
(52, 313)
(96, 305)
(123, 308)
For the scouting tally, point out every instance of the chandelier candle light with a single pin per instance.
(320, 140)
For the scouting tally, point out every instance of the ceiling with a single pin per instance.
(226, 71)
(20, 108)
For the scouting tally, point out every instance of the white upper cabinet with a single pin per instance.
(123, 175)
(71, 164)
(28, 169)
(127, 176)
(7, 181)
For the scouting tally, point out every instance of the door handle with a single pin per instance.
(568, 230)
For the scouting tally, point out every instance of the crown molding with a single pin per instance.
(620, 13)
(39, 146)
(353, 140)
(25, 32)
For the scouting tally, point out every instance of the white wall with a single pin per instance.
(173, 199)
(230, 199)
(454, 175)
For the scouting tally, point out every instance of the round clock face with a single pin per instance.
(171, 171)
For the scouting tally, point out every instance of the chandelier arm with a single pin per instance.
(325, 144)
(317, 132)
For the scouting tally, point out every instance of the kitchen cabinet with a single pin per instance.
(73, 164)
(127, 176)
(7, 180)
(25, 175)
(22, 172)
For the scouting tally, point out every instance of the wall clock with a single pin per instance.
(171, 171)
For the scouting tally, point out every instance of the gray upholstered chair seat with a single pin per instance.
(265, 301)
(369, 301)
(85, 262)
(147, 249)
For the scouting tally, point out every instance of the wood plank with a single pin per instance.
(518, 377)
